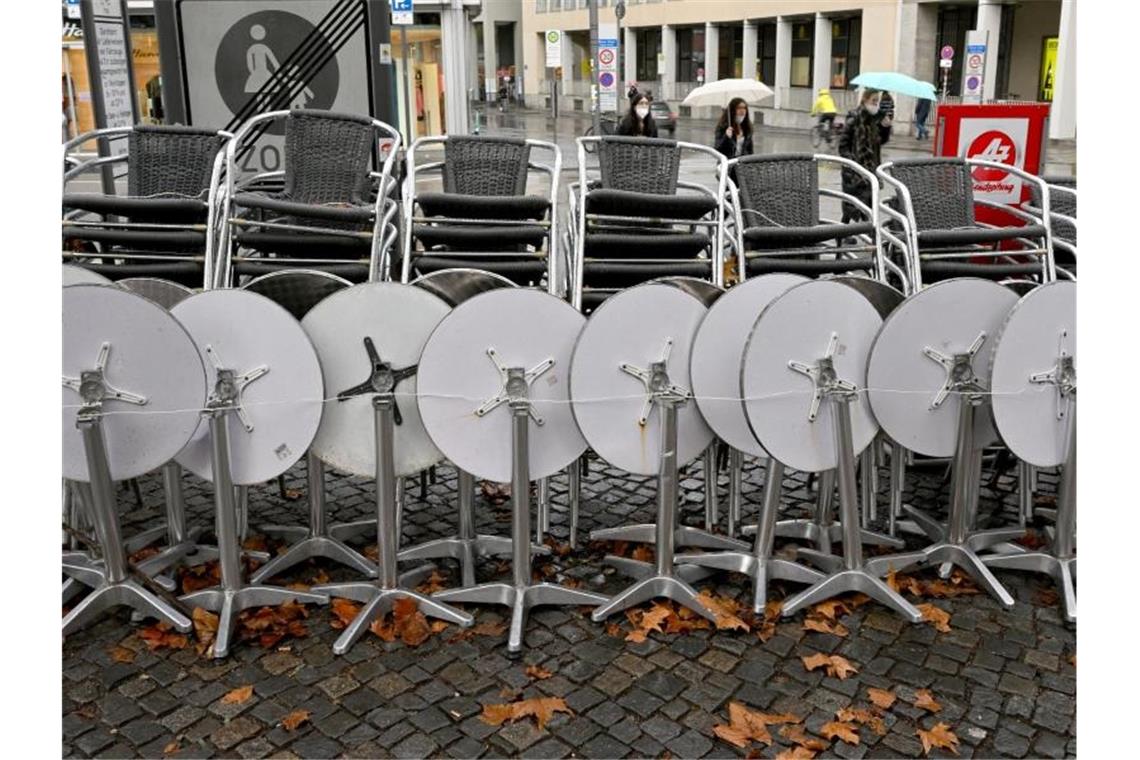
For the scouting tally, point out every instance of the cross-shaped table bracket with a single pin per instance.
(1063, 375)
(93, 388)
(824, 380)
(510, 388)
(381, 379)
(229, 386)
(656, 381)
(959, 368)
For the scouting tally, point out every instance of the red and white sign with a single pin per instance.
(606, 56)
(947, 52)
(999, 141)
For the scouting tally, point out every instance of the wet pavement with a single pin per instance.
(1005, 680)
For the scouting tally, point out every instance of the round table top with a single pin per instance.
(1032, 418)
(885, 298)
(635, 326)
(165, 293)
(457, 285)
(244, 331)
(904, 382)
(150, 355)
(525, 329)
(397, 319)
(718, 349)
(803, 325)
(297, 290)
(76, 275)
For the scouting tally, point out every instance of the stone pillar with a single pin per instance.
(821, 66)
(669, 73)
(712, 52)
(1063, 115)
(630, 43)
(783, 82)
(454, 31)
(989, 20)
(751, 40)
(490, 61)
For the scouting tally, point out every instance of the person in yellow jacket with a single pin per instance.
(825, 107)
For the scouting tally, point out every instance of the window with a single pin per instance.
(846, 36)
(730, 52)
(648, 46)
(540, 6)
(690, 53)
(803, 44)
(766, 53)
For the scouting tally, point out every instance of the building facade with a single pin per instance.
(797, 47)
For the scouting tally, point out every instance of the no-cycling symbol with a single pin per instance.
(278, 58)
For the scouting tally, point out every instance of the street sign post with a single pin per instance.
(402, 13)
(974, 72)
(106, 42)
(945, 63)
(607, 67)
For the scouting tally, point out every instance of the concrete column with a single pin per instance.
(1063, 115)
(821, 67)
(751, 44)
(712, 52)
(630, 43)
(989, 20)
(783, 82)
(490, 61)
(669, 50)
(454, 30)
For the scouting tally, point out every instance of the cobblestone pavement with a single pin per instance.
(1006, 680)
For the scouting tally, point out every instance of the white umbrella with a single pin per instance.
(721, 91)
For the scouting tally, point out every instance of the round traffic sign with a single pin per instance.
(606, 56)
(947, 51)
(257, 56)
(992, 145)
(553, 36)
(973, 82)
(974, 61)
(606, 79)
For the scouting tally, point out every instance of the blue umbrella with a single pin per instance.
(892, 81)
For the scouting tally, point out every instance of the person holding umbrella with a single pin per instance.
(864, 134)
(733, 135)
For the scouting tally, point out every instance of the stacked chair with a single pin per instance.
(164, 225)
(634, 219)
(486, 216)
(332, 208)
(939, 236)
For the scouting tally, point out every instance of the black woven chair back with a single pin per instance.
(328, 157)
(778, 190)
(639, 164)
(1060, 202)
(171, 161)
(941, 192)
(486, 166)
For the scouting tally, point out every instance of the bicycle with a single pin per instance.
(819, 133)
(607, 126)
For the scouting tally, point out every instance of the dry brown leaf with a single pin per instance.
(435, 582)
(940, 736)
(483, 629)
(122, 654)
(644, 553)
(557, 549)
(736, 736)
(863, 717)
(538, 672)
(1032, 539)
(411, 624)
(205, 629)
(848, 732)
(171, 748)
(837, 666)
(294, 719)
(613, 629)
(797, 735)
(724, 609)
(831, 609)
(881, 697)
(438, 626)
(936, 616)
(823, 625)
(924, 700)
(541, 708)
(749, 722)
(238, 696)
(798, 752)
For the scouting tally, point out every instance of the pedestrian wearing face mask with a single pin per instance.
(637, 122)
(733, 136)
(864, 134)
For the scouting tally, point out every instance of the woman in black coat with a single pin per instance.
(733, 136)
(864, 134)
(638, 122)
